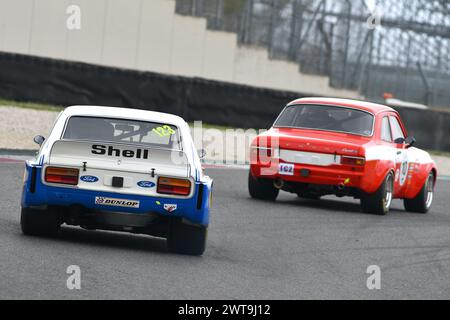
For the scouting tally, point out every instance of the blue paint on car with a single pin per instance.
(187, 208)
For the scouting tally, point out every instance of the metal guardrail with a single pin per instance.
(338, 39)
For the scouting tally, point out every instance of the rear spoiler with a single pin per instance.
(119, 157)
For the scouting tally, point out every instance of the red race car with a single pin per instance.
(322, 146)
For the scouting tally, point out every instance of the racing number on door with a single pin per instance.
(401, 172)
(401, 168)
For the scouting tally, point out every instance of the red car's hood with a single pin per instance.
(319, 141)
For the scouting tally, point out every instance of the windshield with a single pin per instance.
(328, 118)
(124, 131)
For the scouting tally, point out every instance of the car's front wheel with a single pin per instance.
(422, 202)
(186, 239)
(380, 201)
(262, 188)
(40, 222)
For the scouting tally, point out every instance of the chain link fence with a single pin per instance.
(396, 46)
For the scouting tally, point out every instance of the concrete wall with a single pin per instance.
(155, 36)
(188, 36)
(219, 53)
(15, 25)
(87, 44)
(48, 35)
(147, 35)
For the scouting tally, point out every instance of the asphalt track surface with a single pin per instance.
(291, 249)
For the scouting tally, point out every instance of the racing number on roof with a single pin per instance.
(164, 131)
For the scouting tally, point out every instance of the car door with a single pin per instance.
(389, 148)
(401, 154)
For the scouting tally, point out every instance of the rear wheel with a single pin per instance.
(186, 239)
(422, 202)
(380, 201)
(40, 222)
(262, 188)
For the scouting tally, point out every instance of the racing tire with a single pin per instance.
(262, 189)
(186, 239)
(35, 222)
(422, 202)
(380, 201)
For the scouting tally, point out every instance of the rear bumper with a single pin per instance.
(317, 175)
(195, 209)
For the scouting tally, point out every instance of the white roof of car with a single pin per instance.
(124, 113)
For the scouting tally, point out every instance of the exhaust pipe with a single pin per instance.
(341, 186)
(278, 183)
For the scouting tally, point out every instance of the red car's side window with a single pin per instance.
(397, 131)
(385, 134)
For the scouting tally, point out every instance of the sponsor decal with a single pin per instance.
(116, 152)
(117, 202)
(89, 178)
(286, 169)
(146, 184)
(170, 207)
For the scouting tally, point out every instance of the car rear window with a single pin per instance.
(327, 118)
(123, 131)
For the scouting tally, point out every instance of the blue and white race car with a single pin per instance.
(119, 169)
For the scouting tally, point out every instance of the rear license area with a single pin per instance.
(118, 181)
(286, 169)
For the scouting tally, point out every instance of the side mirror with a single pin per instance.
(39, 140)
(202, 153)
(399, 140)
(409, 141)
